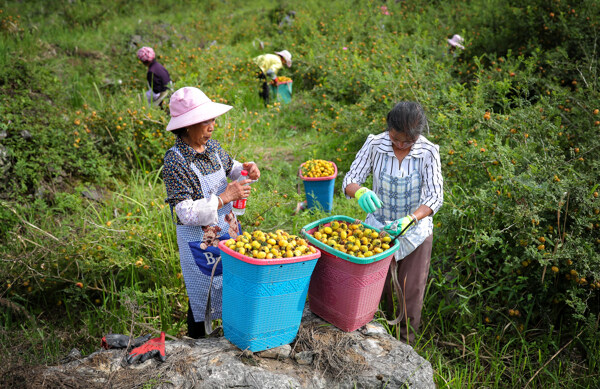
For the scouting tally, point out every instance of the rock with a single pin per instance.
(135, 42)
(73, 355)
(280, 352)
(323, 357)
(25, 134)
(372, 329)
(92, 194)
(304, 357)
(4, 160)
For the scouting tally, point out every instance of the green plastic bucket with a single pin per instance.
(282, 91)
(306, 232)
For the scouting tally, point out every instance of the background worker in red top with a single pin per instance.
(158, 78)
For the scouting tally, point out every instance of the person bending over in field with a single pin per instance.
(407, 192)
(159, 81)
(269, 65)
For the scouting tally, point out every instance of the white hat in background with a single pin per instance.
(287, 56)
(456, 41)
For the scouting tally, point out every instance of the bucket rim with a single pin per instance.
(263, 262)
(328, 178)
(330, 250)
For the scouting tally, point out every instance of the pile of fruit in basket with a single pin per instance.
(317, 168)
(283, 79)
(353, 238)
(270, 245)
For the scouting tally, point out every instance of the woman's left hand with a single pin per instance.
(252, 169)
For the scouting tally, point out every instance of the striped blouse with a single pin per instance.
(371, 160)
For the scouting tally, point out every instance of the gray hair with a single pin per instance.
(407, 117)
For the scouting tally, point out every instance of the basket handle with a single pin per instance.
(207, 319)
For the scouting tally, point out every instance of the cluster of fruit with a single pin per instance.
(353, 238)
(270, 245)
(282, 79)
(317, 168)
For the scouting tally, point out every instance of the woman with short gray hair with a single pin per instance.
(407, 192)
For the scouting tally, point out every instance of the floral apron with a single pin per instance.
(196, 262)
(401, 196)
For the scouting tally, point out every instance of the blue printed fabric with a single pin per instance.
(401, 196)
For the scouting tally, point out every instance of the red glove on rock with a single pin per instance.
(148, 350)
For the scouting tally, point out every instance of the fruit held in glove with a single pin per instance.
(270, 245)
(353, 238)
(317, 168)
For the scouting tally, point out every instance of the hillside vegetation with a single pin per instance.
(87, 244)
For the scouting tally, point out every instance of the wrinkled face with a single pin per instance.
(400, 141)
(202, 131)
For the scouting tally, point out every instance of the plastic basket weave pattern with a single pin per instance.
(346, 293)
(263, 300)
(319, 190)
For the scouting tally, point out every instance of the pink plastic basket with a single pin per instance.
(346, 291)
(346, 294)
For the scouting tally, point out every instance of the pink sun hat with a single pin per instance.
(146, 54)
(190, 105)
(456, 41)
(287, 56)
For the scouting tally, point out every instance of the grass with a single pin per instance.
(89, 246)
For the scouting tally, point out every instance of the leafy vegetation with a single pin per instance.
(88, 245)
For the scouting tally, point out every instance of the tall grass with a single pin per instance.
(90, 246)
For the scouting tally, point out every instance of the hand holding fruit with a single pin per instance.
(368, 200)
(236, 190)
(252, 169)
(398, 226)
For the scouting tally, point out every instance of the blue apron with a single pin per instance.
(401, 196)
(197, 262)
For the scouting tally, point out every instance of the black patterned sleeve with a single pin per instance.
(178, 184)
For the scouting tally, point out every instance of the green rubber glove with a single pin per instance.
(368, 200)
(398, 226)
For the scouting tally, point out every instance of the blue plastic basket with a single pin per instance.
(263, 300)
(319, 190)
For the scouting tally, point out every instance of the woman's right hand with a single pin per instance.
(236, 190)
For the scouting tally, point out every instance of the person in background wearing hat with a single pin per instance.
(407, 192)
(269, 65)
(454, 42)
(195, 173)
(158, 77)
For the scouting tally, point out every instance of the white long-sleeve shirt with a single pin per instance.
(370, 159)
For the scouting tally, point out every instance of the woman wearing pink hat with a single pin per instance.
(269, 65)
(195, 173)
(157, 76)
